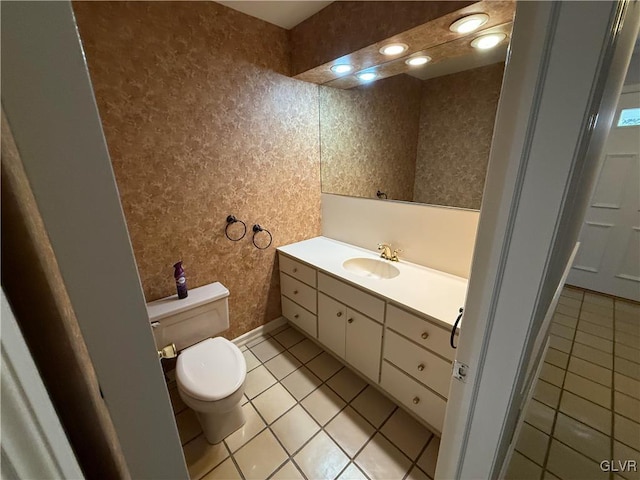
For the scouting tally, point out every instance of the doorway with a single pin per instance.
(609, 257)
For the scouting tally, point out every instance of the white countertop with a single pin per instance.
(435, 294)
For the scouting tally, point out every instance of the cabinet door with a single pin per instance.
(331, 324)
(363, 344)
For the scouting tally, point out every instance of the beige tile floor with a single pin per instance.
(586, 403)
(309, 417)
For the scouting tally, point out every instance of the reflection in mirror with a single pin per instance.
(423, 137)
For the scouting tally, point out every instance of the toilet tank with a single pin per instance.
(184, 322)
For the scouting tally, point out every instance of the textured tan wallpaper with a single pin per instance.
(456, 125)
(368, 138)
(202, 122)
(346, 26)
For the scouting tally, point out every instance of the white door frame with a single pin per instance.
(559, 93)
(34, 444)
(49, 102)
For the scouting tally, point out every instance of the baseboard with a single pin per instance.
(259, 331)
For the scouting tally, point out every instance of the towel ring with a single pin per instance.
(257, 229)
(230, 221)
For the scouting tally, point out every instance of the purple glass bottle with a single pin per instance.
(181, 280)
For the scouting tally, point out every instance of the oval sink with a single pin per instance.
(371, 268)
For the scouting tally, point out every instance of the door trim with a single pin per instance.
(528, 224)
(49, 102)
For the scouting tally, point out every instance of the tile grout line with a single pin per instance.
(223, 441)
(366, 382)
(581, 376)
(278, 381)
(232, 454)
(413, 462)
(419, 456)
(557, 408)
(321, 427)
(268, 427)
(298, 402)
(233, 459)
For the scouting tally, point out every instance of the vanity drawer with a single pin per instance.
(417, 398)
(371, 306)
(297, 270)
(421, 364)
(298, 292)
(416, 329)
(298, 315)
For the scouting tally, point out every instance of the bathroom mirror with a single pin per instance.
(420, 137)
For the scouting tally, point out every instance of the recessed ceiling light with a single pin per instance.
(418, 60)
(367, 76)
(469, 23)
(342, 68)
(394, 49)
(488, 41)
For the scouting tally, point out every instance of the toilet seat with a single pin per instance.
(211, 370)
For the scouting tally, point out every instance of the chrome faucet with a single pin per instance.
(386, 252)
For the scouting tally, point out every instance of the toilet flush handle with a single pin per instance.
(168, 352)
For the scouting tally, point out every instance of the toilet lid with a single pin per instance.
(211, 370)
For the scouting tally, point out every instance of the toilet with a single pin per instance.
(210, 372)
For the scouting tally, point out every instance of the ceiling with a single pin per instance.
(288, 14)
(285, 14)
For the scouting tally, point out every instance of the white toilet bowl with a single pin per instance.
(211, 377)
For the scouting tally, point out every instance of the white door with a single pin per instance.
(609, 257)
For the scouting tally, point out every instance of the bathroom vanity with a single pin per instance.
(389, 321)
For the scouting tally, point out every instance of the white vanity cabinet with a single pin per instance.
(417, 364)
(350, 335)
(350, 324)
(403, 352)
(299, 299)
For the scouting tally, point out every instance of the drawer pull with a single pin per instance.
(416, 400)
(339, 314)
(295, 292)
(424, 335)
(295, 270)
(296, 316)
(421, 367)
(350, 320)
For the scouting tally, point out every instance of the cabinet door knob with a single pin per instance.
(416, 400)
(350, 320)
(295, 270)
(296, 316)
(339, 314)
(295, 292)
(421, 367)
(424, 335)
